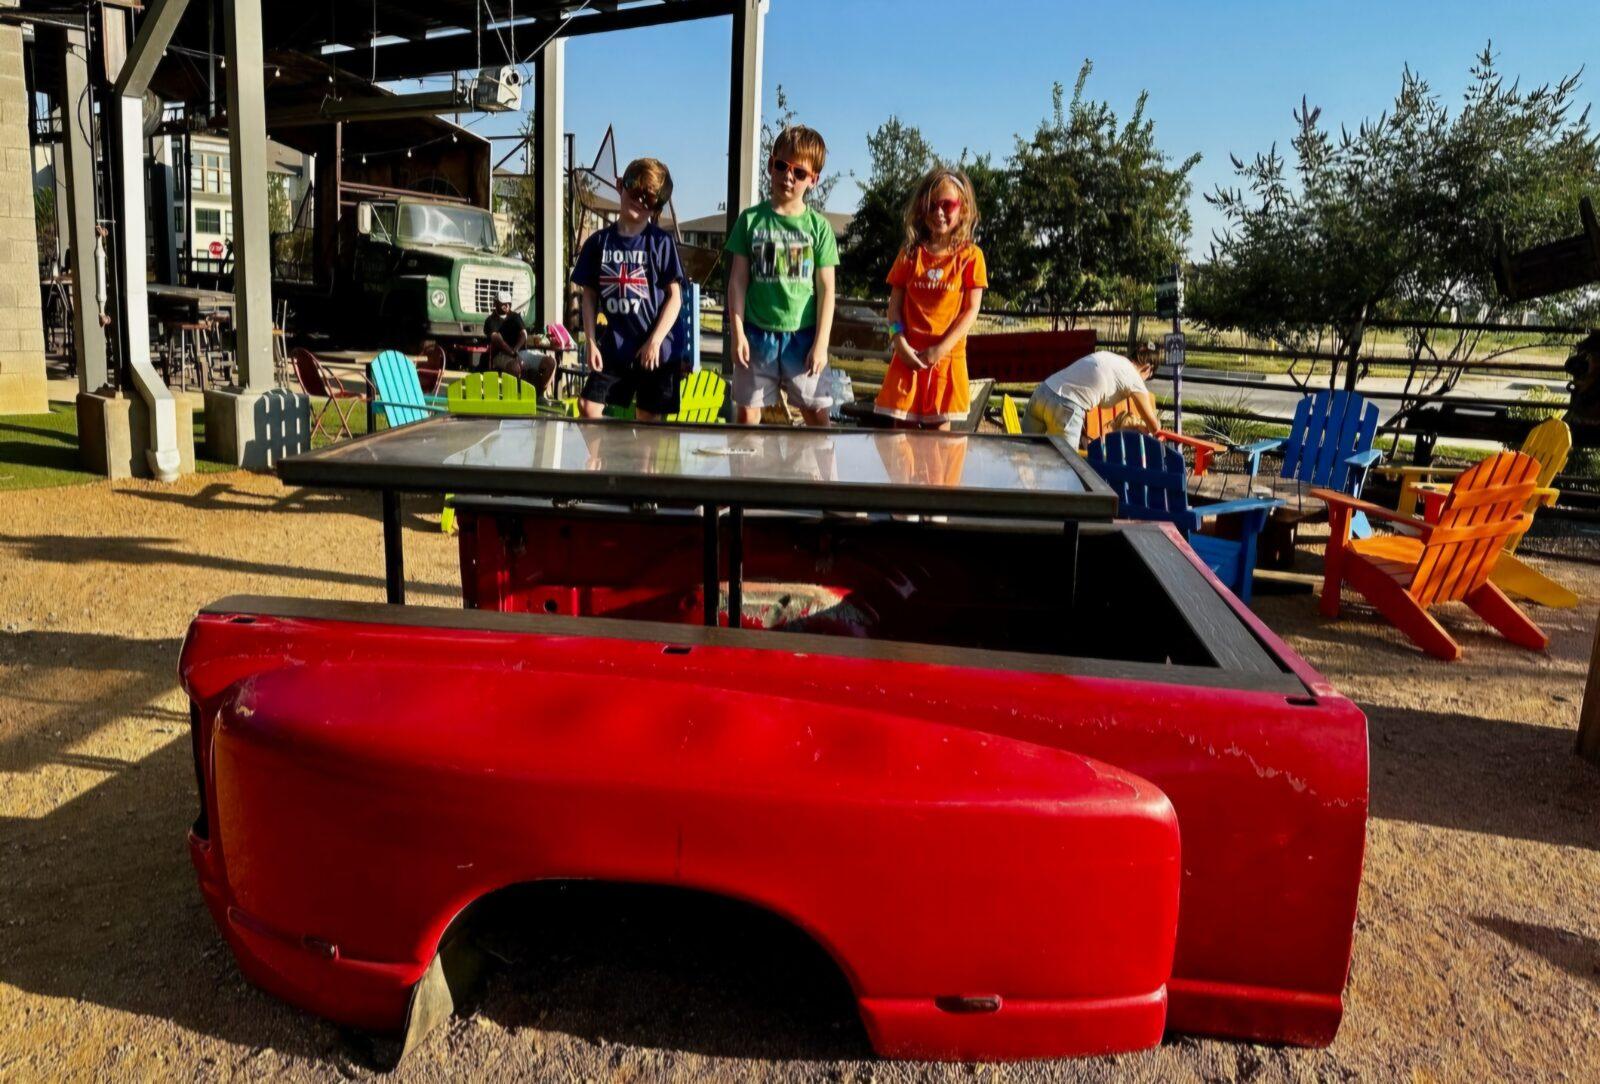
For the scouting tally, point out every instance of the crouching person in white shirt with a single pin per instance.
(1063, 401)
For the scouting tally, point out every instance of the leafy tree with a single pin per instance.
(1398, 218)
(1100, 210)
(900, 156)
(44, 223)
(1000, 229)
(817, 195)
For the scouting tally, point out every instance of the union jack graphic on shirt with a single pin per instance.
(622, 281)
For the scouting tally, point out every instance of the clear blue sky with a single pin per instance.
(1222, 75)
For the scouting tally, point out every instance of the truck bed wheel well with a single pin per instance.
(651, 965)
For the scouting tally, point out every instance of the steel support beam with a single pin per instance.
(155, 33)
(252, 238)
(457, 52)
(164, 209)
(549, 124)
(77, 156)
(744, 105)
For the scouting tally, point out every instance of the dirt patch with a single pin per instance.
(1477, 955)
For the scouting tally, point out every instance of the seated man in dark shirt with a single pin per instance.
(507, 341)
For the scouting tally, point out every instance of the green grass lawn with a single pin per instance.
(41, 450)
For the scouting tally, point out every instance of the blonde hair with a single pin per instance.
(653, 176)
(798, 141)
(921, 203)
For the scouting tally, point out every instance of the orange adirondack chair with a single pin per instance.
(1448, 560)
(1104, 420)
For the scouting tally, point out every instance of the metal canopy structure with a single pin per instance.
(244, 59)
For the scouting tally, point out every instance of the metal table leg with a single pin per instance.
(735, 566)
(394, 567)
(1070, 532)
(709, 515)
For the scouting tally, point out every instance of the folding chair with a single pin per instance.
(317, 382)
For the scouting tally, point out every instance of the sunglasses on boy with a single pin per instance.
(799, 173)
(645, 197)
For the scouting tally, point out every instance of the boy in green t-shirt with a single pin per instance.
(780, 287)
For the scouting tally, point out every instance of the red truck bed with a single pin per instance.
(986, 842)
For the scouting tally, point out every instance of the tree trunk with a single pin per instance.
(1352, 372)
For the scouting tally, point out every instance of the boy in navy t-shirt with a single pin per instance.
(631, 272)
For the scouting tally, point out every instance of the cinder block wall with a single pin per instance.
(22, 376)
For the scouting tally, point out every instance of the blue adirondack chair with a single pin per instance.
(1152, 483)
(1328, 446)
(397, 392)
(686, 332)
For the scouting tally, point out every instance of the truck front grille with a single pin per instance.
(480, 285)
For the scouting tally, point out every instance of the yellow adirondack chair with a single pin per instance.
(499, 395)
(1008, 415)
(1549, 443)
(700, 396)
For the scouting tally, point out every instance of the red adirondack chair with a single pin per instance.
(317, 382)
(1448, 560)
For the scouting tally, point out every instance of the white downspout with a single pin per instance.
(163, 451)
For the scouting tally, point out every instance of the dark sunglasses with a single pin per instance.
(799, 173)
(948, 206)
(643, 195)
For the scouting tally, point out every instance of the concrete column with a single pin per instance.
(744, 105)
(22, 375)
(252, 239)
(549, 122)
(256, 423)
(77, 156)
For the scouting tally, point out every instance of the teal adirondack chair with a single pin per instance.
(700, 397)
(1152, 483)
(1329, 446)
(397, 392)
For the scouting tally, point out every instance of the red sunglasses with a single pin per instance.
(799, 173)
(948, 206)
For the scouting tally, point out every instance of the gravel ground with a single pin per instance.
(1477, 955)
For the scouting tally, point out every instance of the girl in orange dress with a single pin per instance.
(937, 285)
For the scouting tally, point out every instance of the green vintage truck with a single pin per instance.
(406, 269)
(430, 270)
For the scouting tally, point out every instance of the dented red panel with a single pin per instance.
(360, 798)
(942, 831)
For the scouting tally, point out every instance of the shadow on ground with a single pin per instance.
(223, 497)
(1494, 776)
(1577, 955)
(663, 968)
(64, 549)
(102, 677)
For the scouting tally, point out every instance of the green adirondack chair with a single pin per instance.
(700, 397)
(499, 395)
(494, 395)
